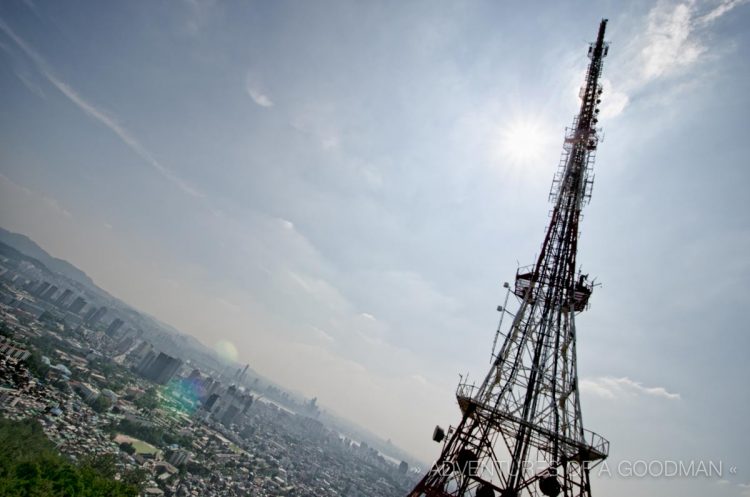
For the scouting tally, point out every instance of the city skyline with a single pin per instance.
(347, 188)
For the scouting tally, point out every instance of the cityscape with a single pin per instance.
(98, 387)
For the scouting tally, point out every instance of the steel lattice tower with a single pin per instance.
(521, 433)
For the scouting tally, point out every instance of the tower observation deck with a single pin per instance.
(521, 431)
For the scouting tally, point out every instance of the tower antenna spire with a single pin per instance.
(521, 431)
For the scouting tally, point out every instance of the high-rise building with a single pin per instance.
(139, 353)
(247, 402)
(159, 369)
(77, 305)
(215, 386)
(114, 327)
(229, 414)
(124, 345)
(63, 297)
(96, 316)
(41, 288)
(49, 293)
(145, 361)
(208, 384)
(211, 401)
(89, 313)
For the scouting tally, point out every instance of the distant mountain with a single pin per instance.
(18, 247)
(13, 254)
(27, 246)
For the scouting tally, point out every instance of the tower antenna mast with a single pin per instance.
(521, 431)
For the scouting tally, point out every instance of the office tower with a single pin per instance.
(114, 327)
(211, 401)
(63, 297)
(77, 305)
(124, 345)
(41, 288)
(49, 293)
(159, 369)
(95, 316)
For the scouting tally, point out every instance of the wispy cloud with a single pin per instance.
(322, 335)
(199, 15)
(259, 97)
(56, 205)
(669, 41)
(256, 89)
(96, 113)
(610, 387)
(32, 6)
(30, 84)
(721, 9)
(319, 121)
(675, 39)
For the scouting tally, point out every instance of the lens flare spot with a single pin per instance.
(226, 350)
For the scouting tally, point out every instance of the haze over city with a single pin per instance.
(335, 192)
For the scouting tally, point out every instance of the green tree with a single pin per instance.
(101, 404)
(5, 330)
(149, 400)
(127, 448)
(35, 364)
(30, 467)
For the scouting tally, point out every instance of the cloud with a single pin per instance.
(615, 101)
(673, 41)
(259, 97)
(320, 122)
(199, 14)
(720, 10)
(670, 41)
(32, 6)
(97, 114)
(56, 205)
(325, 337)
(30, 85)
(609, 387)
(256, 89)
(287, 224)
(325, 293)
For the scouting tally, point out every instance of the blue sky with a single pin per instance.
(340, 189)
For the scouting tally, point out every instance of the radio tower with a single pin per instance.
(521, 433)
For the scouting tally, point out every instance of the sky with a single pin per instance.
(340, 189)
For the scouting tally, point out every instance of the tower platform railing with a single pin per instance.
(587, 447)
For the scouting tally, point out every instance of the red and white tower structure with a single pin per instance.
(521, 431)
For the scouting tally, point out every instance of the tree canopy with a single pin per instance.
(31, 467)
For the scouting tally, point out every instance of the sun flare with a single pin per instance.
(522, 142)
(524, 145)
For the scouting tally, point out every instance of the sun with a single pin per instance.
(522, 143)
